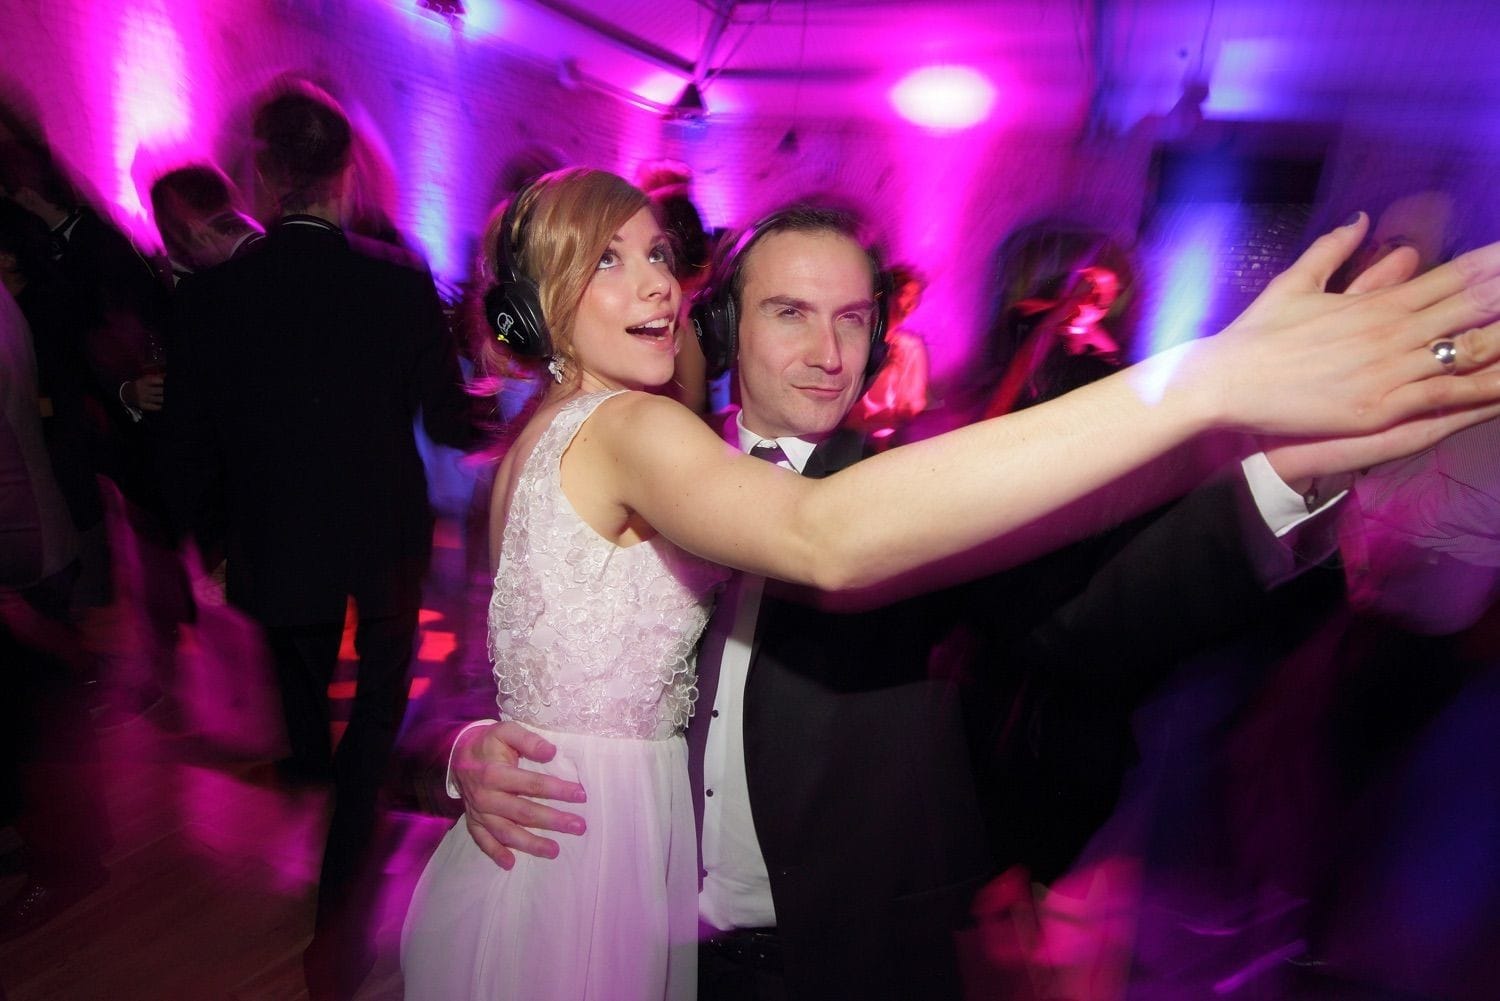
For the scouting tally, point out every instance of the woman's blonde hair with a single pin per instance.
(561, 227)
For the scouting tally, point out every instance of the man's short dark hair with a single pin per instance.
(806, 217)
(305, 144)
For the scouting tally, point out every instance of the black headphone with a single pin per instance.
(513, 305)
(716, 318)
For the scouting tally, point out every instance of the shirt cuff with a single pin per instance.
(450, 784)
(1281, 507)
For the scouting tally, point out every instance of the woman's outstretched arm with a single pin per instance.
(1298, 362)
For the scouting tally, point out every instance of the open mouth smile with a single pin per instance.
(656, 330)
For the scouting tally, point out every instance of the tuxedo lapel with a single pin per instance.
(843, 448)
(710, 657)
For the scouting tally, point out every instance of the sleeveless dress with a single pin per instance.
(593, 647)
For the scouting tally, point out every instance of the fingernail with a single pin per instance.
(1356, 217)
(579, 796)
(576, 827)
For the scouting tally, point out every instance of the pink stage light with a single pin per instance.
(151, 92)
(947, 98)
(661, 87)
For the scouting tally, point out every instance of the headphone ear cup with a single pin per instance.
(717, 327)
(514, 310)
(513, 305)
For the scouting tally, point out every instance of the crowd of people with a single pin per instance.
(805, 727)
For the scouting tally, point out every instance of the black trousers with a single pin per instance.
(305, 659)
(743, 965)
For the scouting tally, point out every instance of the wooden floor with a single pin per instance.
(211, 887)
(214, 863)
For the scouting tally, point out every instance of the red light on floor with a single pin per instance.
(344, 690)
(448, 534)
(436, 646)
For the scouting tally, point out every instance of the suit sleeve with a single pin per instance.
(1191, 576)
(438, 384)
(190, 457)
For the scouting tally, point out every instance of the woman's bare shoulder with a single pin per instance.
(637, 416)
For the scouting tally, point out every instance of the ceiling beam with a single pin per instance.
(723, 14)
(647, 50)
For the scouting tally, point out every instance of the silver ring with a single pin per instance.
(1446, 352)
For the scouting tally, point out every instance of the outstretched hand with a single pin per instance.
(1301, 361)
(1299, 461)
(499, 795)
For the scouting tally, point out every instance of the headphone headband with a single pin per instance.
(715, 314)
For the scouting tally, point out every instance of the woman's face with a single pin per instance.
(625, 333)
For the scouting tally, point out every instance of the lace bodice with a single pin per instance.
(587, 636)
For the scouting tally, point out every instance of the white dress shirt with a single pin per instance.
(736, 884)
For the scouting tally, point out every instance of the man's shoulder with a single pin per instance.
(226, 277)
(383, 254)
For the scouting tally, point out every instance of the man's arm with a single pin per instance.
(437, 381)
(1196, 574)
(500, 796)
(191, 465)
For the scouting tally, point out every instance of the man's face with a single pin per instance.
(805, 311)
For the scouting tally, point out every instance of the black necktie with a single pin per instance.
(770, 451)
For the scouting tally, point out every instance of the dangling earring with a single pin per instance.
(555, 366)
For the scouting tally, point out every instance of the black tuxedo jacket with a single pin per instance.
(296, 375)
(859, 776)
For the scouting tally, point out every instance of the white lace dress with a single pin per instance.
(593, 647)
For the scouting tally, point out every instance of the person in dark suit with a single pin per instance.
(298, 370)
(120, 297)
(841, 838)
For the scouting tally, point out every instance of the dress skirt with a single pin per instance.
(613, 918)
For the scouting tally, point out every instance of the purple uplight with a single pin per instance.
(947, 98)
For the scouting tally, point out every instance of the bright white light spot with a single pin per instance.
(944, 97)
(661, 87)
(151, 101)
(484, 17)
(1185, 296)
